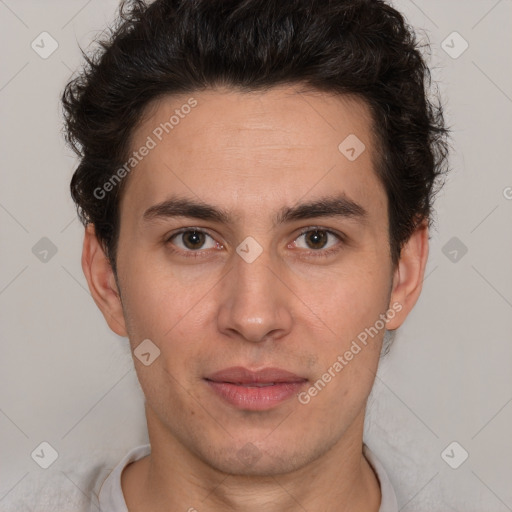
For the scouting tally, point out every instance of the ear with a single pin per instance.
(409, 275)
(101, 281)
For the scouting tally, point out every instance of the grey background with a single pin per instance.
(67, 380)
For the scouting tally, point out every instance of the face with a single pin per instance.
(288, 267)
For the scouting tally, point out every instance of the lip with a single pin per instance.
(255, 390)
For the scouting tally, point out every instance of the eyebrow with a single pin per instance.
(339, 206)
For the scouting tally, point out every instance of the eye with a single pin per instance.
(193, 240)
(318, 240)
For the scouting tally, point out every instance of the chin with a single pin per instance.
(259, 461)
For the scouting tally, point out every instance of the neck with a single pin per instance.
(173, 478)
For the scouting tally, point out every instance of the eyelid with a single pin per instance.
(168, 237)
(340, 235)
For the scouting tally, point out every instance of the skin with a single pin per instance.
(252, 154)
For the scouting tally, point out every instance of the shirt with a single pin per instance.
(111, 499)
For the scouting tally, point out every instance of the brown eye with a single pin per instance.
(316, 239)
(192, 240)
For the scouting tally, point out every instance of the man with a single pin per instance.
(256, 180)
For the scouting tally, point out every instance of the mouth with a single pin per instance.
(255, 390)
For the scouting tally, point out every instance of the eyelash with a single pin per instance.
(200, 253)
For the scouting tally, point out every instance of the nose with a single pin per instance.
(255, 302)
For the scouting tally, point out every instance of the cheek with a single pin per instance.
(349, 300)
(170, 308)
(349, 307)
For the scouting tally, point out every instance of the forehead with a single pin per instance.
(245, 148)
